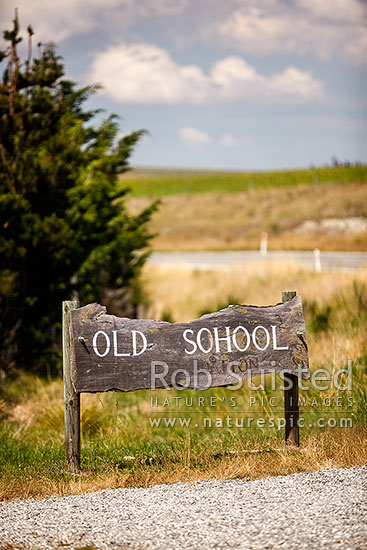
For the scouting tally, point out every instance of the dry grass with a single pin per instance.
(214, 221)
(185, 292)
(326, 450)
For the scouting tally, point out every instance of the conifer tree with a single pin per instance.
(64, 226)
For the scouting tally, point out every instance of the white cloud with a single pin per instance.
(317, 28)
(58, 21)
(55, 20)
(144, 73)
(194, 138)
(320, 28)
(344, 11)
(229, 141)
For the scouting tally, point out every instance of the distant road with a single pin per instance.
(215, 260)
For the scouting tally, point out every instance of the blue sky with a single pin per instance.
(240, 85)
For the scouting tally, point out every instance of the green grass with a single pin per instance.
(116, 426)
(22, 458)
(159, 183)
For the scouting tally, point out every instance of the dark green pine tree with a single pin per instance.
(64, 226)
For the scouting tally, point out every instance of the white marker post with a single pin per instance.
(317, 260)
(264, 244)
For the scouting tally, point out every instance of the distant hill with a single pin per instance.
(299, 209)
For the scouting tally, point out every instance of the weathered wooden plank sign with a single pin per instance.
(218, 349)
(102, 352)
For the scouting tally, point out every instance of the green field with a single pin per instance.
(158, 183)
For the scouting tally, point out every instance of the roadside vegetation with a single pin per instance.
(121, 447)
(300, 215)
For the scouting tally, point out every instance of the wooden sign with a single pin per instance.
(102, 352)
(218, 349)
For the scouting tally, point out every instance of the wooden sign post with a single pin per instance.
(107, 353)
(71, 397)
(291, 407)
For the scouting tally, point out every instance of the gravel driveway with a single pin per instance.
(325, 509)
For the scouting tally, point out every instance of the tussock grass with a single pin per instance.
(184, 292)
(215, 221)
(116, 426)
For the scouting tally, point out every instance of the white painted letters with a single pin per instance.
(108, 343)
(145, 343)
(115, 352)
(194, 346)
(226, 338)
(275, 346)
(256, 344)
(248, 338)
(260, 337)
(206, 340)
(139, 344)
(204, 350)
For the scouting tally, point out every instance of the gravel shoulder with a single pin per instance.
(324, 509)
